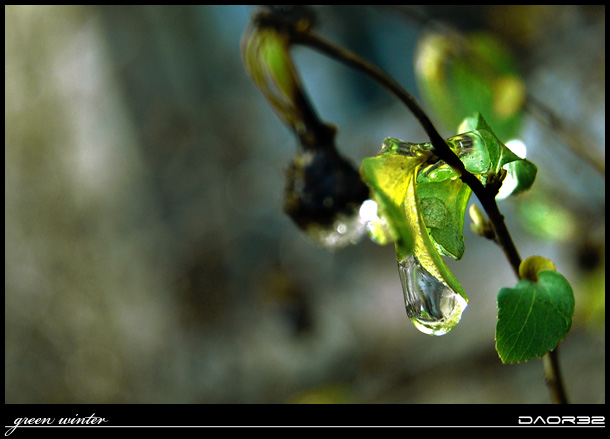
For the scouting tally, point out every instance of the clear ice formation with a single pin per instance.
(432, 306)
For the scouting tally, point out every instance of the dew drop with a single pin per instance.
(432, 306)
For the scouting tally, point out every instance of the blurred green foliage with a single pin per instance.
(461, 75)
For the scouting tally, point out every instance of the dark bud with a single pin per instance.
(322, 190)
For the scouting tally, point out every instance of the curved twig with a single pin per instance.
(486, 195)
(442, 150)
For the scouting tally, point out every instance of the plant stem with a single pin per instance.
(442, 150)
(553, 378)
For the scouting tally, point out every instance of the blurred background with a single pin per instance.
(147, 257)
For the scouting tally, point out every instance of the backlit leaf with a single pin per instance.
(392, 178)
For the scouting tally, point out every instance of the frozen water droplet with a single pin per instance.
(433, 307)
(470, 148)
(344, 230)
(376, 226)
(391, 145)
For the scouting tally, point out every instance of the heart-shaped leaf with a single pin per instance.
(533, 317)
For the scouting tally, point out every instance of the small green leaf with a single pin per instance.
(266, 57)
(521, 173)
(499, 153)
(533, 317)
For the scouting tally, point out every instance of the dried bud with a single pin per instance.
(324, 193)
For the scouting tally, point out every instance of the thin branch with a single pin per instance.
(485, 195)
(571, 136)
(442, 150)
(553, 378)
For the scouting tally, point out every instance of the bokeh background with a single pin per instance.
(147, 258)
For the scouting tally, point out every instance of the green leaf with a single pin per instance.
(499, 153)
(440, 183)
(392, 177)
(522, 173)
(533, 317)
(388, 178)
(424, 249)
(266, 57)
(443, 208)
